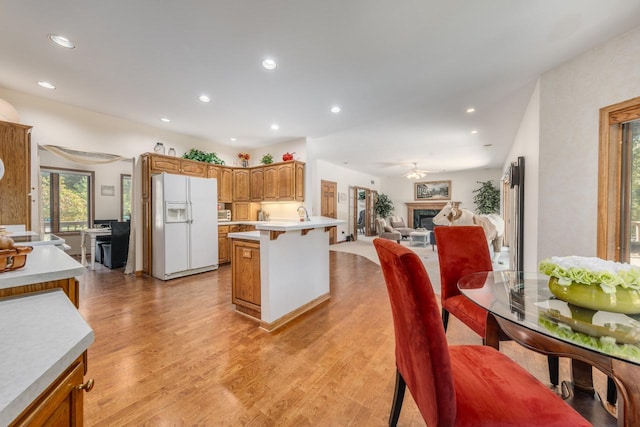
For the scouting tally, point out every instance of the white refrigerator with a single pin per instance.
(184, 225)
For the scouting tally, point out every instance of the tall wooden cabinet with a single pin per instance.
(15, 186)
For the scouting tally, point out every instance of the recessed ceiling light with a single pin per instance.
(233, 139)
(165, 119)
(488, 145)
(61, 41)
(471, 110)
(46, 85)
(335, 109)
(269, 64)
(204, 98)
(275, 126)
(474, 131)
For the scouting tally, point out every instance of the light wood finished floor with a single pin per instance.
(175, 353)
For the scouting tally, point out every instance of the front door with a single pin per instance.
(329, 205)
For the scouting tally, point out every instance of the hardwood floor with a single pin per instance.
(176, 353)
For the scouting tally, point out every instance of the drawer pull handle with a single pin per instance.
(88, 386)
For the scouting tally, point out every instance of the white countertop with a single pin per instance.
(41, 335)
(316, 222)
(246, 235)
(32, 238)
(44, 263)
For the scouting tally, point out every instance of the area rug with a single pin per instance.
(364, 247)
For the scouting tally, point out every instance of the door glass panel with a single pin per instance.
(630, 206)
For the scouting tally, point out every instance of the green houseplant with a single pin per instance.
(383, 206)
(201, 156)
(487, 198)
(267, 159)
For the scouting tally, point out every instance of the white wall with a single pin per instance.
(570, 98)
(401, 190)
(526, 144)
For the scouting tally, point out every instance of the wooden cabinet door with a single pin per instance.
(257, 184)
(214, 172)
(61, 404)
(15, 186)
(241, 211)
(161, 163)
(193, 168)
(299, 184)
(241, 183)
(246, 273)
(285, 182)
(270, 186)
(226, 185)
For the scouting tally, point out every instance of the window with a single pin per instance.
(66, 199)
(619, 182)
(125, 197)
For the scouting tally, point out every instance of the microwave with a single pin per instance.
(224, 215)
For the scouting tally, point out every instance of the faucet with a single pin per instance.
(306, 214)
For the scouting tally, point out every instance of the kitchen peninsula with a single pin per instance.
(281, 270)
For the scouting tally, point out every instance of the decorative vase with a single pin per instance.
(159, 148)
(245, 163)
(624, 300)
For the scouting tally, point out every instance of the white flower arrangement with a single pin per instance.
(592, 271)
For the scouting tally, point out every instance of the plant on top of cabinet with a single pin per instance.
(195, 154)
(267, 159)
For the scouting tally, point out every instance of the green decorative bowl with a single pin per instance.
(626, 301)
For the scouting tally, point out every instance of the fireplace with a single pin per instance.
(420, 215)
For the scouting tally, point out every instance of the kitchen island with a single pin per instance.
(281, 270)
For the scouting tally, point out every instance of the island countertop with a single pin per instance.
(315, 222)
(44, 263)
(42, 334)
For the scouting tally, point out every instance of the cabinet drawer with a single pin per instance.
(223, 229)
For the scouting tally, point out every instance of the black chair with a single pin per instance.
(100, 240)
(116, 252)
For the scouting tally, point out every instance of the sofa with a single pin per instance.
(397, 224)
(386, 231)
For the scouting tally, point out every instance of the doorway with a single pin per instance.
(363, 212)
(329, 205)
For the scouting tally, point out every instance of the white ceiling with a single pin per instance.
(403, 71)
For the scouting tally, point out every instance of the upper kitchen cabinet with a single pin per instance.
(241, 185)
(15, 186)
(225, 186)
(159, 163)
(284, 182)
(257, 184)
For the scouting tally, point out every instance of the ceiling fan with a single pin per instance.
(415, 173)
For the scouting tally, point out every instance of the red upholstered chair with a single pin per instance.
(458, 385)
(464, 250)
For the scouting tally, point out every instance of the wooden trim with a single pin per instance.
(273, 235)
(609, 170)
(270, 327)
(421, 205)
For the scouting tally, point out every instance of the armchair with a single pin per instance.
(398, 224)
(386, 232)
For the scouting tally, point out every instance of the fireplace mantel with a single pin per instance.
(421, 205)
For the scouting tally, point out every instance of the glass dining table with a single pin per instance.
(526, 311)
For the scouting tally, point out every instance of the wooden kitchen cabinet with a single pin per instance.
(241, 185)
(225, 188)
(257, 184)
(224, 244)
(62, 403)
(15, 186)
(284, 182)
(245, 275)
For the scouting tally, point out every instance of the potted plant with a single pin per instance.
(383, 206)
(201, 156)
(266, 159)
(487, 198)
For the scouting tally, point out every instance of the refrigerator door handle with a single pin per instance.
(190, 212)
